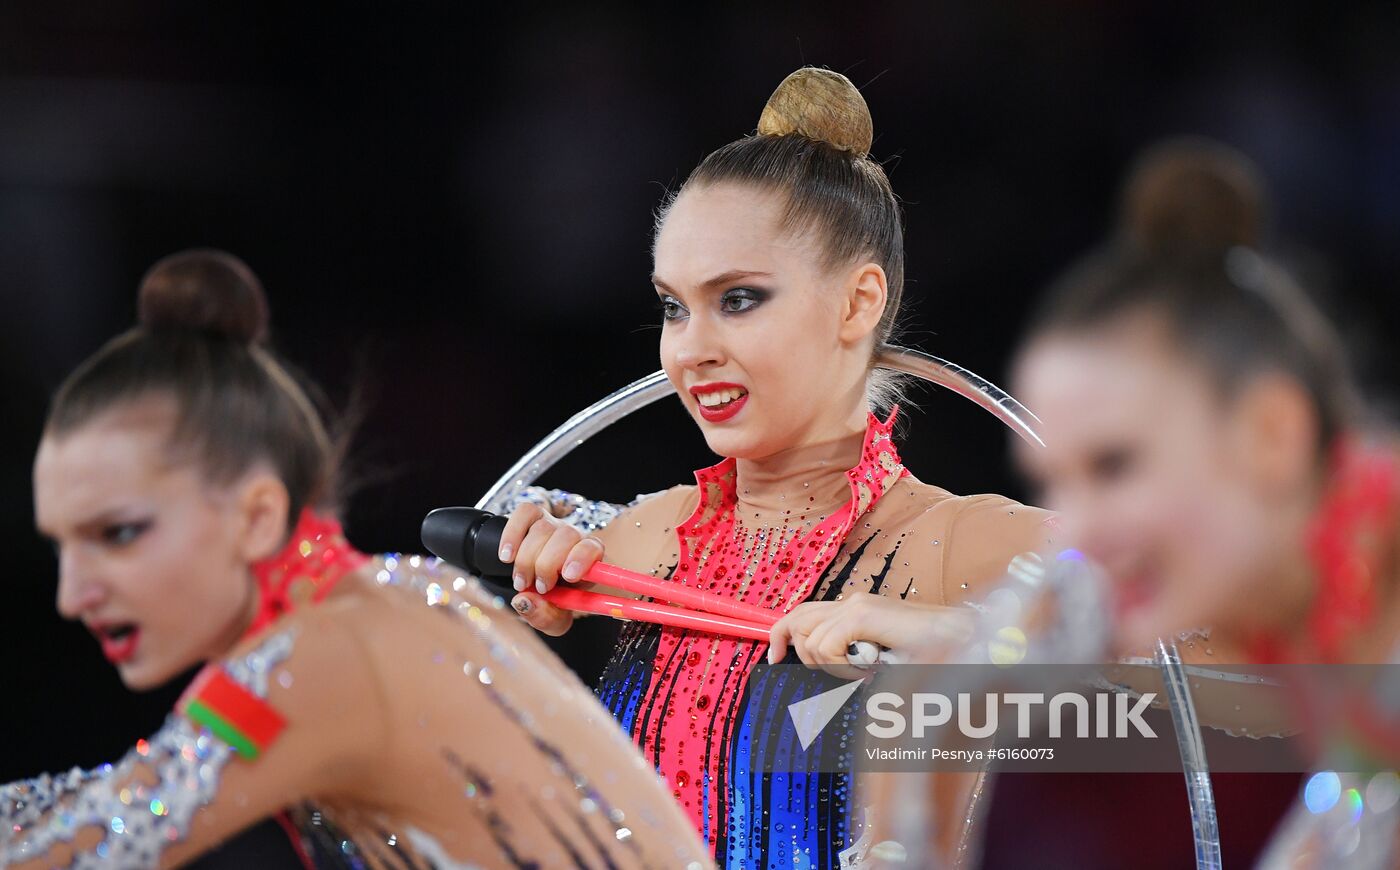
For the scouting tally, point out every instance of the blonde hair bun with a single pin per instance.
(820, 105)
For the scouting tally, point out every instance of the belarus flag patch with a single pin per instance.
(231, 712)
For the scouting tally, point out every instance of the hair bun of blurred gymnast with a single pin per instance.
(204, 290)
(1192, 195)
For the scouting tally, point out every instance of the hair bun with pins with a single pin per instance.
(204, 290)
(1193, 196)
(821, 105)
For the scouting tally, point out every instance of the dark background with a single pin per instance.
(450, 206)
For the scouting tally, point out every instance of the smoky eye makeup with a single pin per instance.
(119, 534)
(737, 300)
(670, 307)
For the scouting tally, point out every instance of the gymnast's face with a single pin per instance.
(152, 557)
(1155, 475)
(767, 349)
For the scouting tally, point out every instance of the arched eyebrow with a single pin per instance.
(719, 280)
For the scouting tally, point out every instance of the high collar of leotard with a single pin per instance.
(1350, 540)
(315, 558)
(806, 482)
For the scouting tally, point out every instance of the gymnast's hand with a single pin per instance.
(821, 631)
(544, 550)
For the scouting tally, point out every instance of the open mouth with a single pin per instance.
(719, 402)
(720, 398)
(118, 640)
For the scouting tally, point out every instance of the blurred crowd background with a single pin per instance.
(451, 205)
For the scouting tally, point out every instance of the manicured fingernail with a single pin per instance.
(519, 581)
(540, 587)
(573, 571)
(772, 656)
(521, 604)
(505, 553)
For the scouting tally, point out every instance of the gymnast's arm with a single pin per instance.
(289, 715)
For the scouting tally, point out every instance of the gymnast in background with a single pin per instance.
(1206, 446)
(387, 710)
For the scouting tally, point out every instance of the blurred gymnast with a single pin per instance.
(382, 706)
(779, 268)
(1206, 446)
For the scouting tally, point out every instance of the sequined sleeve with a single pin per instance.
(199, 779)
(584, 514)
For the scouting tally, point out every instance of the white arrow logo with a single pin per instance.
(811, 715)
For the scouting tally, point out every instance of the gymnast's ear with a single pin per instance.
(1280, 432)
(865, 293)
(261, 505)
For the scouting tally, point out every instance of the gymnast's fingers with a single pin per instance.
(541, 615)
(552, 555)
(584, 555)
(526, 573)
(519, 522)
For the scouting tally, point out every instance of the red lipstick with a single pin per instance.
(725, 410)
(119, 641)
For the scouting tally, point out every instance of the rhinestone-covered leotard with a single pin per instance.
(708, 711)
